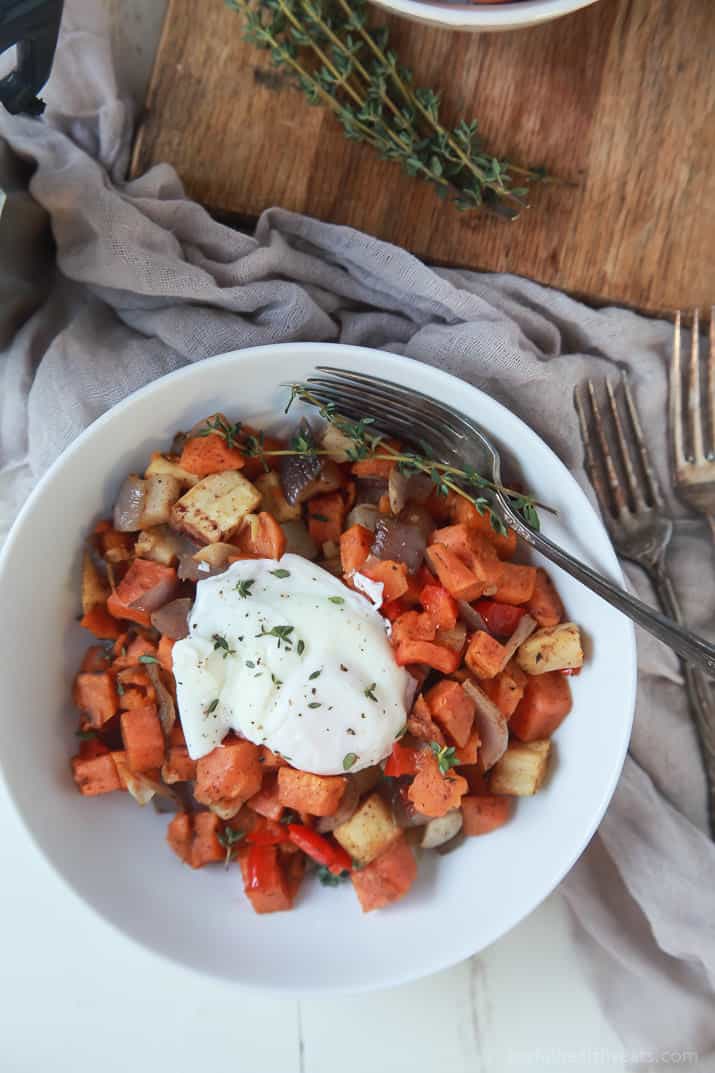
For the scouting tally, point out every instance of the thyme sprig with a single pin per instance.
(228, 839)
(464, 481)
(342, 62)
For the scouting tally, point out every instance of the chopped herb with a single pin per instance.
(243, 588)
(148, 659)
(315, 704)
(401, 732)
(86, 735)
(337, 599)
(120, 688)
(370, 692)
(251, 664)
(314, 675)
(319, 517)
(222, 428)
(221, 644)
(281, 633)
(300, 647)
(446, 758)
(280, 573)
(328, 878)
(348, 760)
(276, 681)
(228, 839)
(289, 816)
(212, 706)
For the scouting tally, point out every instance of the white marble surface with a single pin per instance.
(76, 997)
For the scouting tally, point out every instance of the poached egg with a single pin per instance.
(288, 657)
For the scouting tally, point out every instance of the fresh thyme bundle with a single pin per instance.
(343, 63)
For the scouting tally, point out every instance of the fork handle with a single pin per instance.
(699, 693)
(694, 649)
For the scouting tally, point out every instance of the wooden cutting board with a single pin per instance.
(618, 99)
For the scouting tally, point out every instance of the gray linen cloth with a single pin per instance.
(146, 281)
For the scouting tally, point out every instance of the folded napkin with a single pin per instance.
(146, 281)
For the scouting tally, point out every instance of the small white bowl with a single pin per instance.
(113, 854)
(484, 17)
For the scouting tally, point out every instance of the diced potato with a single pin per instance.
(273, 499)
(369, 831)
(159, 544)
(213, 509)
(95, 589)
(216, 555)
(555, 648)
(522, 768)
(162, 491)
(169, 465)
(441, 829)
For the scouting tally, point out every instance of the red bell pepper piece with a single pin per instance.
(268, 833)
(501, 619)
(334, 857)
(393, 609)
(262, 869)
(402, 761)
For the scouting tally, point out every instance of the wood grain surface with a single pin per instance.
(617, 99)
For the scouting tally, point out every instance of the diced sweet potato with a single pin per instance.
(205, 847)
(484, 813)
(466, 513)
(263, 537)
(95, 775)
(440, 606)
(387, 878)
(99, 622)
(457, 578)
(267, 801)
(468, 753)
(507, 689)
(95, 659)
(369, 831)
(180, 835)
(452, 709)
(163, 653)
(437, 656)
(516, 585)
(355, 544)
(484, 655)
(210, 454)
(413, 626)
(545, 604)
(392, 576)
(522, 769)
(95, 694)
(545, 704)
(142, 578)
(230, 773)
(143, 738)
(319, 795)
(325, 515)
(477, 553)
(431, 792)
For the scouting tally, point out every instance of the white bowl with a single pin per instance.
(113, 854)
(484, 17)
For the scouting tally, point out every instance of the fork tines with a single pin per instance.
(624, 479)
(692, 418)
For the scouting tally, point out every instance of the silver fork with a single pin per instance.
(692, 429)
(641, 532)
(456, 439)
